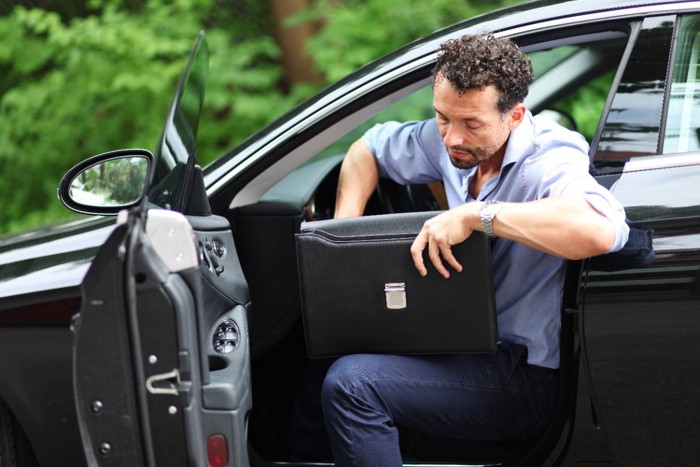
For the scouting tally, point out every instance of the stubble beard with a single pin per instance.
(479, 155)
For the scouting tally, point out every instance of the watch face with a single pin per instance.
(490, 209)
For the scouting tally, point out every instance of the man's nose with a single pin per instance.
(452, 137)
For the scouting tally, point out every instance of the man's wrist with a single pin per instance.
(488, 212)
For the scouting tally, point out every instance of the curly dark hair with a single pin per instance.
(477, 61)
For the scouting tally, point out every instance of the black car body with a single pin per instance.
(628, 380)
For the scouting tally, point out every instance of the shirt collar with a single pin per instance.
(519, 145)
(519, 142)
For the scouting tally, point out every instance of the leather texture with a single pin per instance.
(344, 266)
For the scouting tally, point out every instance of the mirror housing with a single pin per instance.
(107, 183)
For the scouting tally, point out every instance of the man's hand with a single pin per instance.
(439, 234)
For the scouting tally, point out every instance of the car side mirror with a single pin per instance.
(107, 183)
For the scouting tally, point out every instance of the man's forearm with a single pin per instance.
(563, 226)
(567, 227)
(358, 179)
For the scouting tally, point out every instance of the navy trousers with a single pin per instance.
(495, 396)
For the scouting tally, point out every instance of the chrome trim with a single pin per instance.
(612, 14)
(663, 161)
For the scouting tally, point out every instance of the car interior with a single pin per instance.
(268, 212)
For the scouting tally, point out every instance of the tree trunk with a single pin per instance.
(298, 65)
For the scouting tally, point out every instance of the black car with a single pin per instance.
(180, 342)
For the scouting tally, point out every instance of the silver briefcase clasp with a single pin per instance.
(395, 295)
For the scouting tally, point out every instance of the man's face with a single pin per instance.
(470, 124)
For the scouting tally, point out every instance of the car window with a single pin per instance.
(577, 62)
(682, 131)
(545, 60)
(633, 123)
(415, 106)
(575, 82)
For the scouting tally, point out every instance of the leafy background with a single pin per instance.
(81, 77)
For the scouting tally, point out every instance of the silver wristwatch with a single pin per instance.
(488, 212)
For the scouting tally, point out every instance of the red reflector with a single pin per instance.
(217, 451)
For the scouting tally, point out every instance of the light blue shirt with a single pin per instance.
(542, 159)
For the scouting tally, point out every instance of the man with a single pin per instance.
(522, 180)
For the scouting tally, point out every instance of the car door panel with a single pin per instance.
(640, 324)
(224, 338)
(151, 388)
(661, 196)
(99, 346)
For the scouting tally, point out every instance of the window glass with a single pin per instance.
(416, 106)
(545, 60)
(575, 81)
(682, 133)
(633, 123)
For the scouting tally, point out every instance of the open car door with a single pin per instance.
(161, 354)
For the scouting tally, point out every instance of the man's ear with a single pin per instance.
(517, 115)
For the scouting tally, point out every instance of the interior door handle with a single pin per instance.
(164, 383)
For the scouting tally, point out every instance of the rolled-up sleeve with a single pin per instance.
(607, 205)
(403, 150)
(562, 169)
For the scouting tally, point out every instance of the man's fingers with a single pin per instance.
(446, 252)
(435, 239)
(434, 255)
(417, 253)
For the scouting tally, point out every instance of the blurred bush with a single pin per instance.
(100, 76)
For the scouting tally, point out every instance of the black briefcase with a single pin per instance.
(361, 292)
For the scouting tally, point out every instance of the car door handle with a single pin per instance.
(164, 383)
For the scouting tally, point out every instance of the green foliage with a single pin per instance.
(358, 31)
(103, 79)
(243, 92)
(73, 89)
(78, 89)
